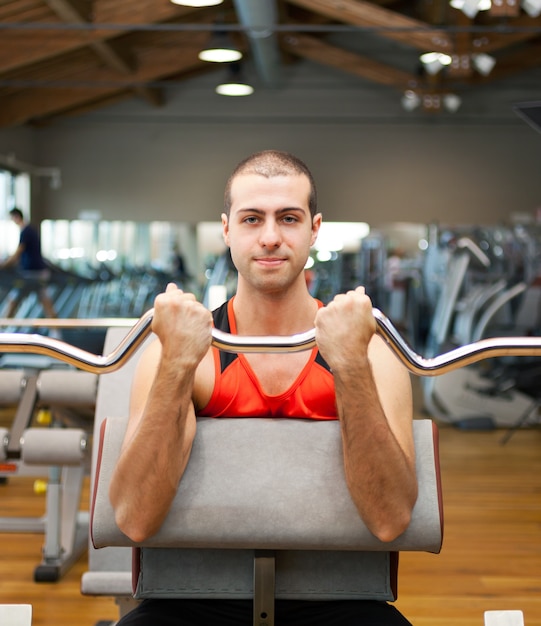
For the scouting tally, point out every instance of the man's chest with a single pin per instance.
(276, 373)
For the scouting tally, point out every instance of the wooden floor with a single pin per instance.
(491, 559)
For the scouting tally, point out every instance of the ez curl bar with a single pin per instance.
(415, 363)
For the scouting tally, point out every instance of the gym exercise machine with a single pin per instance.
(51, 450)
(112, 579)
(16, 614)
(61, 399)
(140, 331)
(465, 309)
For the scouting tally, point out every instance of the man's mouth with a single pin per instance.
(270, 261)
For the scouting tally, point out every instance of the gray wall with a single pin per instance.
(373, 162)
(449, 174)
(19, 142)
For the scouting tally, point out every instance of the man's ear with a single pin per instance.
(225, 229)
(316, 225)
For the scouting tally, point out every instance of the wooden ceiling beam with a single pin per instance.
(153, 64)
(88, 107)
(315, 49)
(94, 105)
(433, 11)
(461, 61)
(152, 95)
(359, 13)
(22, 10)
(78, 12)
(75, 11)
(21, 47)
(114, 57)
(524, 28)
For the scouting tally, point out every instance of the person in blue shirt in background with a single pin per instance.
(29, 259)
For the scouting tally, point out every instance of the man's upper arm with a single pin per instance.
(393, 383)
(142, 382)
(15, 256)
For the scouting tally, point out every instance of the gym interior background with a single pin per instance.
(122, 163)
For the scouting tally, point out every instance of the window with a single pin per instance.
(14, 192)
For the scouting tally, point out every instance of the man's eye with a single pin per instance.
(290, 219)
(251, 220)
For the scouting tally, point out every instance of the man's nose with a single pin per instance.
(271, 236)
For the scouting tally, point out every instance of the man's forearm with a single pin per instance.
(8, 263)
(154, 457)
(380, 476)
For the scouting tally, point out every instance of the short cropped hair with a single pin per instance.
(270, 163)
(16, 213)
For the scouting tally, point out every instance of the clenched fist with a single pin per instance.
(182, 324)
(344, 328)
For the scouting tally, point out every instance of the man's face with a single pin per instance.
(270, 229)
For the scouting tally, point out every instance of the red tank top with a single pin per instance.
(238, 393)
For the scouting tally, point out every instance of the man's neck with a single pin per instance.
(273, 314)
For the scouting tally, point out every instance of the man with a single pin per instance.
(270, 221)
(28, 257)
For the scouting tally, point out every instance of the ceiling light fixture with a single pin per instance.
(235, 84)
(483, 63)
(234, 89)
(433, 62)
(471, 7)
(452, 102)
(410, 100)
(220, 49)
(430, 102)
(532, 7)
(197, 3)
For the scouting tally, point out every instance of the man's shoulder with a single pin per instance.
(28, 232)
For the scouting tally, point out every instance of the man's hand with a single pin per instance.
(183, 325)
(344, 328)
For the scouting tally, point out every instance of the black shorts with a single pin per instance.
(287, 613)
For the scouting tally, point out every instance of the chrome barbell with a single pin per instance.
(415, 363)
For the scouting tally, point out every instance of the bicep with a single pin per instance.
(393, 383)
(143, 379)
(141, 388)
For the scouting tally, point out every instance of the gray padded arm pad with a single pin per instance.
(62, 387)
(273, 484)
